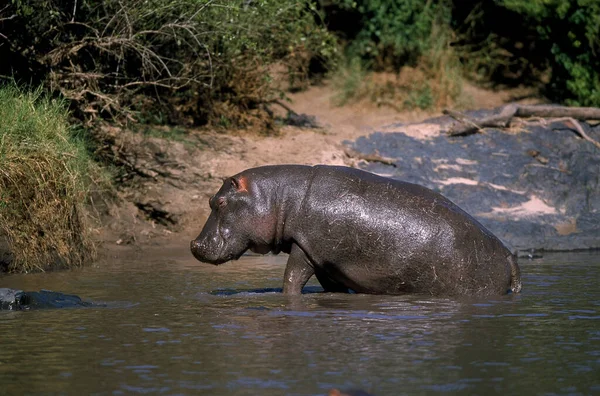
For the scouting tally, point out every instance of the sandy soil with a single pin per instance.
(167, 202)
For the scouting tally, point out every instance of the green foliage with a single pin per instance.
(45, 174)
(351, 81)
(409, 38)
(432, 80)
(420, 96)
(188, 59)
(392, 32)
(555, 42)
(571, 30)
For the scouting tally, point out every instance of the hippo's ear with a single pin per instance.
(240, 184)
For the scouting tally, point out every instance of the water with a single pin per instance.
(175, 326)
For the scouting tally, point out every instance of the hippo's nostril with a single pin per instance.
(196, 249)
(194, 245)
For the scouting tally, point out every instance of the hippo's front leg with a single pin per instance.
(297, 271)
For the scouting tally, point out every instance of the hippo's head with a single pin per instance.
(241, 219)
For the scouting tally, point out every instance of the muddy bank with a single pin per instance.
(535, 186)
(165, 183)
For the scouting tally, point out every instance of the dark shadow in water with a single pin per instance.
(230, 292)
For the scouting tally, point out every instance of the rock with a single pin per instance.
(16, 300)
(301, 120)
(9, 299)
(538, 188)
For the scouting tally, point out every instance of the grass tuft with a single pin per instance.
(433, 82)
(351, 81)
(45, 179)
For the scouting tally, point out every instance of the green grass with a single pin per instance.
(433, 82)
(45, 179)
(351, 81)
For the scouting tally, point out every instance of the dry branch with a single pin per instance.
(2, 19)
(373, 157)
(579, 129)
(467, 125)
(6, 18)
(107, 87)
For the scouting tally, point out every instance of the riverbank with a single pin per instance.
(45, 178)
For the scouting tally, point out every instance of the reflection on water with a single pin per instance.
(175, 326)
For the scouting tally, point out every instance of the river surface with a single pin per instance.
(174, 326)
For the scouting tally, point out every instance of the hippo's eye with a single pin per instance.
(221, 202)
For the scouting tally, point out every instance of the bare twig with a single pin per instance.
(468, 125)
(6, 19)
(74, 10)
(579, 130)
(460, 117)
(286, 107)
(373, 157)
(132, 34)
(191, 18)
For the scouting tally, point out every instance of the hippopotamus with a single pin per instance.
(356, 232)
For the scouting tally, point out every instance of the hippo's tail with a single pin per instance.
(515, 274)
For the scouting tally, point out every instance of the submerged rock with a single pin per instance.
(535, 188)
(16, 300)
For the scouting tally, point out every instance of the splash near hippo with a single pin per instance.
(355, 231)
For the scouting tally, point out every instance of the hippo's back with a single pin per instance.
(371, 226)
(381, 199)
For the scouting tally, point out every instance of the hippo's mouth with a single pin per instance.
(213, 256)
(224, 258)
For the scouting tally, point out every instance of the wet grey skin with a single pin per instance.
(355, 231)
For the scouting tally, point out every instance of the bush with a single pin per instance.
(409, 38)
(44, 182)
(556, 43)
(571, 29)
(176, 60)
(552, 44)
(387, 33)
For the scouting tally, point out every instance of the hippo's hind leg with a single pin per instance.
(298, 271)
(515, 274)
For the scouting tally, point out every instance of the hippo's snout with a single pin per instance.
(213, 251)
(204, 253)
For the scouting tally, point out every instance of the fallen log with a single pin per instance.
(466, 125)
(546, 111)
